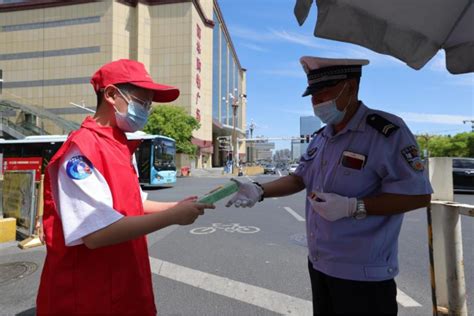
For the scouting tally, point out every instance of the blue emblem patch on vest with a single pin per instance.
(79, 167)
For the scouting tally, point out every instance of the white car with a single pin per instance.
(292, 168)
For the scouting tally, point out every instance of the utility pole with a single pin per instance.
(235, 106)
(472, 124)
(251, 127)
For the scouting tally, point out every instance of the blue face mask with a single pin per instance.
(328, 112)
(135, 118)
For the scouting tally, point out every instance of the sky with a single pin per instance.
(269, 43)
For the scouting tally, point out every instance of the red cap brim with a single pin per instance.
(163, 93)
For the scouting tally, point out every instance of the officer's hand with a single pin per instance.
(332, 206)
(249, 193)
(186, 212)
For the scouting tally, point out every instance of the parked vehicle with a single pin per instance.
(292, 168)
(463, 174)
(269, 169)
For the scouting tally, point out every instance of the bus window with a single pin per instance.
(164, 155)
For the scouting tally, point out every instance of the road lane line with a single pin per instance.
(295, 215)
(405, 300)
(279, 173)
(250, 294)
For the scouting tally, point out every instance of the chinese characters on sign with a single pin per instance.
(20, 163)
(198, 70)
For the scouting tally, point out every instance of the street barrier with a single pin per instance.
(448, 281)
(185, 171)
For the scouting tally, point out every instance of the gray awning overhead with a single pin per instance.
(410, 30)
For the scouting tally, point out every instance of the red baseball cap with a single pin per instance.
(133, 72)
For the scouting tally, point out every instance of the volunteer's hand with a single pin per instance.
(189, 198)
(332, 206)
(186, 212)
(249, 193)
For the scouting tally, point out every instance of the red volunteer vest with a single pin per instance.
(110, 280)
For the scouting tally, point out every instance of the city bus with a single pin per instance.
(154, 157)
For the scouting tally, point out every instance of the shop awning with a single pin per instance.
(205, 146)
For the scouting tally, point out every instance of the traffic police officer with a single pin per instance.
(361, 172)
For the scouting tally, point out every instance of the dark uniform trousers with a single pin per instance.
(338, 296)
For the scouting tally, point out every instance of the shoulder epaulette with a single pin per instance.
(318, 131)
(381, 124)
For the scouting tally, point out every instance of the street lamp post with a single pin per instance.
(251, 127)
(235, 106)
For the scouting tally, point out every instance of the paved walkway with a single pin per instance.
(210, 172)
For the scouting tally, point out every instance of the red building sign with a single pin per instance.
(30, 163)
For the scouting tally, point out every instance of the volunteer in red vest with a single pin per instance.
(96, 216)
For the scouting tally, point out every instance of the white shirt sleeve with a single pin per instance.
(85, 200)
(144, 195)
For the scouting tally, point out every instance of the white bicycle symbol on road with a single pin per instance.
(230, 228)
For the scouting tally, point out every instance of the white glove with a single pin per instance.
(249, 193)
(332, 206)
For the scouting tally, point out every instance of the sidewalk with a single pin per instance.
(218, 172)
(210, 172)
(20, 271)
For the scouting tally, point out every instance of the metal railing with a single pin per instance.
(26, 128)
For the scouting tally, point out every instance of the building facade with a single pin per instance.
(50, 49)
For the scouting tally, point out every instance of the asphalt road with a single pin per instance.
(254, 265)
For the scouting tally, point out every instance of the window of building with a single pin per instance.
(215, 69)
(224, 81)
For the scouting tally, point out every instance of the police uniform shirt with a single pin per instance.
(85, 200)
(374, 154)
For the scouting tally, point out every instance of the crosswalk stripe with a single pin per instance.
(250, 294)
(405, 300)
(295, 215)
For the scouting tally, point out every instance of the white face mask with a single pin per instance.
(328, 112)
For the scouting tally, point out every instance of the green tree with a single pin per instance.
(459, 145)
(174, 122)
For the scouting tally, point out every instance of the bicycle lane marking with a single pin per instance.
(250, 294)
(229, 228)
(295, 215)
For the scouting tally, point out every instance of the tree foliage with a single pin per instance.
(174, 122)
(459, 145)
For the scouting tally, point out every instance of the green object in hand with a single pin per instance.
(219, 193)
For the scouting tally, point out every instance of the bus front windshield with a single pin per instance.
(165, 151)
